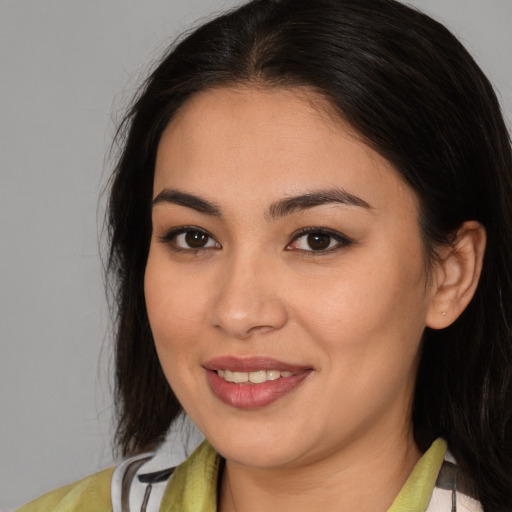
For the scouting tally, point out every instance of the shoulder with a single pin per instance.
(90, 493)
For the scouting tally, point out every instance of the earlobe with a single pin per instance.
(456, 275)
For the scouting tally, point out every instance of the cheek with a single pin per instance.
(369, 325)
(174, 303)
(373, 306)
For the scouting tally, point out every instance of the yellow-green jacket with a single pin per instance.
(193, 488)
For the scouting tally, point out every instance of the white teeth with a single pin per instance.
(240, 377)
(256, 377)
(273, 374)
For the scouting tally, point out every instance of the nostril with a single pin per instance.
(261, 329)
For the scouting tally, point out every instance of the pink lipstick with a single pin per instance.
(250, 383)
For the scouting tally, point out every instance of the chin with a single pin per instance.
(259, 447)
(256, 455)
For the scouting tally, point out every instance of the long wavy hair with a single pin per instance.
(416, 96)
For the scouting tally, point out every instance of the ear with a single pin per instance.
(456, 275)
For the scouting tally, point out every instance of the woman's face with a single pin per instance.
(286, 256)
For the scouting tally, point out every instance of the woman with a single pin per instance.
(310, 237)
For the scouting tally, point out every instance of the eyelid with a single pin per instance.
(172, 233)
(342, 240)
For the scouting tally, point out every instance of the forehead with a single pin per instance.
(256, 140)
(245, 118)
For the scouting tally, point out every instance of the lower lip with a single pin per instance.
(253, 396)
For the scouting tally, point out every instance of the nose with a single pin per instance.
(248, 300)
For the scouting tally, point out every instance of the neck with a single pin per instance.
(365, 477)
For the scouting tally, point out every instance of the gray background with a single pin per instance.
(68, 69)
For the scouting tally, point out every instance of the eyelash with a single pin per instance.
(341, 240)
(170, 239)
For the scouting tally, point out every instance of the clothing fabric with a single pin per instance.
(87, 495)
(192, 487)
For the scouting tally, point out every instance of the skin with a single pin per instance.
(353, 313)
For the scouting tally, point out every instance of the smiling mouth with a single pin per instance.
(253, 382)
(256, 377)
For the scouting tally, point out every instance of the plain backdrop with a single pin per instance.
(67, 71)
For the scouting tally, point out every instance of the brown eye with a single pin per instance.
(318, 241)
(192, 240)
(196, 239)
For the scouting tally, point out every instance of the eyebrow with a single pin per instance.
(290, 205)
(276, 210)
(188, 200)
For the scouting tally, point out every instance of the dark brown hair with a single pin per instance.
(415, 95)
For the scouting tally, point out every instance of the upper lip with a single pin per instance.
(251, 364)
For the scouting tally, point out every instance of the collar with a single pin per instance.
(416, 493)
(193, 485)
